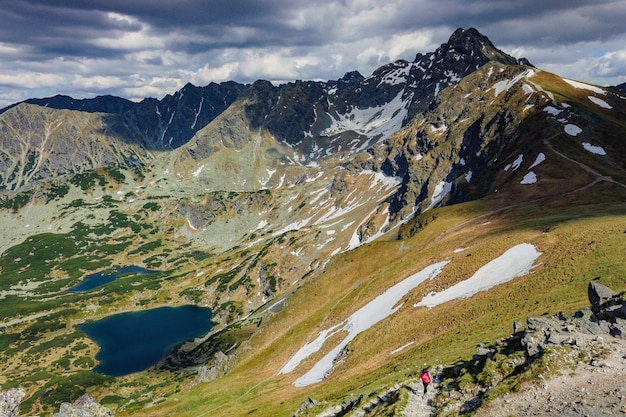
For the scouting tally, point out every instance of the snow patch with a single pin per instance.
(505, 85)
(197, 172)
(401, 348)
(600, 102)
(572, 130)
(585, 86)
(529, 178)
(540, 158)
(594, 149)
(396, 76)
(513, 263)
(367, 316)
(438, 129)
(441, 190)
(553, 111)
(515, 164)
(381, 121)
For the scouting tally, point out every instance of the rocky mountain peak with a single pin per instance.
(350, 78)
(621, 87)
(471, 49)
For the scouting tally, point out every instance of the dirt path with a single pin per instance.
(419, 405)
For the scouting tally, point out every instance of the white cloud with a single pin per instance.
(208, 74)
(31, 80)
(122, 42)
(611, 64)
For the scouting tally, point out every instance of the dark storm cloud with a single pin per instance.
(134, 48)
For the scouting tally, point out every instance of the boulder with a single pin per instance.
(85, 406)
(599, 293)
(618, 329)
(10, 401)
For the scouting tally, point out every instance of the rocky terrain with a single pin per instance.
(593, 388)
(566, 366)
(583, 371)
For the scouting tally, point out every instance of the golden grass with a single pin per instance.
(577, 245)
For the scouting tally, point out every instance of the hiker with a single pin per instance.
(426, 378)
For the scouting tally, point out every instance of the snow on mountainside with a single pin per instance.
(515, 262)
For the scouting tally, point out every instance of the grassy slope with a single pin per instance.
(582, 245)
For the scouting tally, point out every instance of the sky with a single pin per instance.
(150, 48)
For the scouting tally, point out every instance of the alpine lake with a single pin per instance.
(134, 341)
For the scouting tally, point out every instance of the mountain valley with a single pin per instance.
(293, 212)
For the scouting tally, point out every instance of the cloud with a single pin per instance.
(135, 47)
(611, 64)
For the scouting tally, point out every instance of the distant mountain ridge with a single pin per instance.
(100, 104)
(315, 118)
(621, 87)
(176, 117)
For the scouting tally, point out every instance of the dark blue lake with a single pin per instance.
(132, 342)
(92, 281)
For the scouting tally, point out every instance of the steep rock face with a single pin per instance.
(441, 149)
(171, 122)
(39, 143)
(371, 109)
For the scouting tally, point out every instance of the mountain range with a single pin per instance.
(286, 209)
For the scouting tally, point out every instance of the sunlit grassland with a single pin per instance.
(579, 243)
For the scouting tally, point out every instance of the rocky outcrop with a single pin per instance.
(10, 401)
(85, 406)
(599, 293)
(607, 315)
(511, 357)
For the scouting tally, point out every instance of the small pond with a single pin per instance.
(92, 281)
(132, 342)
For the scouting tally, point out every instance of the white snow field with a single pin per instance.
(513, 263)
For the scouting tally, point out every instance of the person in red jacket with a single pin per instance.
(426, 378)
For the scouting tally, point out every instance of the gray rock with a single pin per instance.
(310, 402)
(562, 316)
(537, 323)
(591, 327)
(617, 311)
(599, 293)
(10, 401)
(532, 344)
(85, 406)
(618, 329)
(586, 314)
